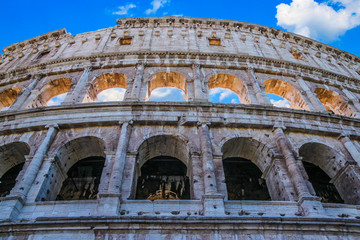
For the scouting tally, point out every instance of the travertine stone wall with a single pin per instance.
(322, 127)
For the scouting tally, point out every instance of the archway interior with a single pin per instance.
(244, 160)
(8, 97)
(334, 102)
(8, 180)
(320, 163)
(83, 180)
(12, 159)
(161, 87)
(223, 95)
(82, 159)
(107, 87)
(286, 91)
(243, 180)
(163, 177)
(235, 84)
(321, 184)
(162, 169)
(50, 91)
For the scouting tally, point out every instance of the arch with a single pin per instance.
(288, 92)
(233, 83)
(50, 90)
(324, 165)
(248, 148)
(167, 79)
(244, 160)
(163, 145)
(107, 81)
(12, 159)
(334, 102)
(163, 169)
(8, 97)
(81, 161)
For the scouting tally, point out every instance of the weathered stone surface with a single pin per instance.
(322, 127)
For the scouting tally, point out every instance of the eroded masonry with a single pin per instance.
(193, 169)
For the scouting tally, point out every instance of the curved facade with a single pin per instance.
(140, 169)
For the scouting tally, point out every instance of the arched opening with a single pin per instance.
(334, 102)
(162, 171)
(321, 184)
(107, 87)
(244, 160)
(12, 159)
(243, 180)
(288, 92)
(8, 97)
(167, 86)
(223, 95)
(163, 178)
(50, 93)
(81, 162)
(321, 164)
(83, 180)
(235, 84)
(278, 101)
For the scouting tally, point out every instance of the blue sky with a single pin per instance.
(334, 22)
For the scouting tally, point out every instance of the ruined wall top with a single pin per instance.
(179, 35)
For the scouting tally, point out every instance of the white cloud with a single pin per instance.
(167, 94)
(156, 4)
(326, 21)
(223, 95)
(280, 103)
(57, 100)
(111, 94)
(123, 10)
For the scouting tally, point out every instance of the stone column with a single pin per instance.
(120, 156)
(350, 147)
(23, 99)
(213, 202)
(260, 93)
(201, 93)
(137, 83)
(81, 89)
(34, 166)
(106, 173)
(308, 204)
(352, 100)
(314, 102)
(129, 180)
(110, 201)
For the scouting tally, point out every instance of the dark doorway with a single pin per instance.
(243, 180)
(83, 180)
(8, 180)
(163, 178)
(321, 183)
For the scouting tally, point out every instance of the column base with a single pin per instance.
(213, 204)
(311, 206)
(109, 205)
(11, 207)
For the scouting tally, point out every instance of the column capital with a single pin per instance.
(53, 125)
(200, 124)
(128, 122)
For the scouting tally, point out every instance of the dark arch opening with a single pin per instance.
(8, 180)
(321, 184)
(83, 180)
(243, 180)
(163, 177)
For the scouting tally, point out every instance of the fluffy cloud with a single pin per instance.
(167, 94)
(111, 94)
(324, 21)
(280, 103)
(223, 95)
(57, 100)
(156, 4)
(123, 10)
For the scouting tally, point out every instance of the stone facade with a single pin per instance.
(322, 127)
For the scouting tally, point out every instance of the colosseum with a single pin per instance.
(192, 169)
